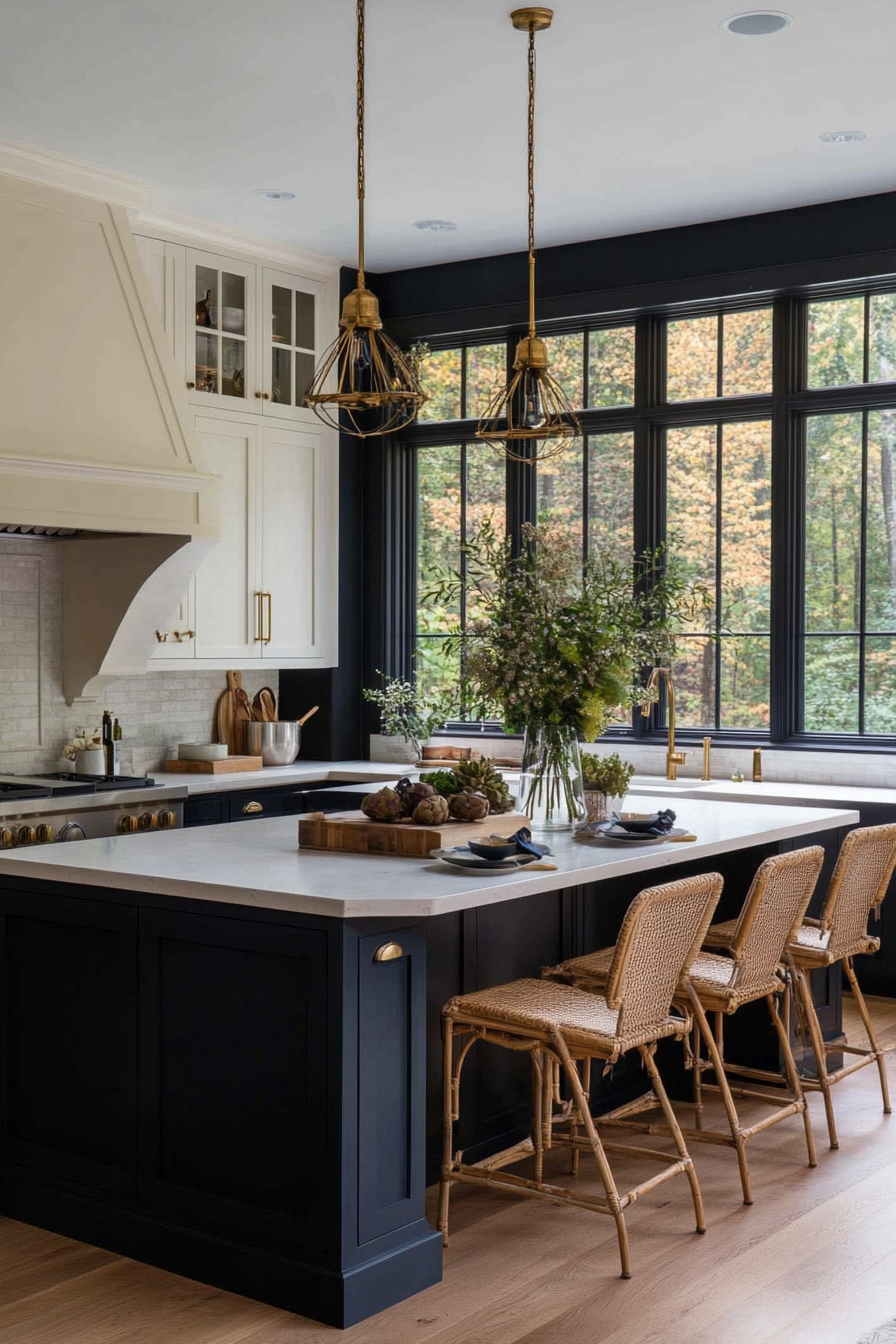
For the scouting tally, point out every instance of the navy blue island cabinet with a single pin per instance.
(251, 1096)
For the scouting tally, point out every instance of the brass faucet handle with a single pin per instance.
(677, 757)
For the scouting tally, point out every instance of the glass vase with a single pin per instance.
(551, 793)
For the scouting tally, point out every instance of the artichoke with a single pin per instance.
(482, 777)
(382, 806)
(468, 806)
(431, 811)
(412, 794)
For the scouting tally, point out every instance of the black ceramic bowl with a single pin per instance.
(494, 852)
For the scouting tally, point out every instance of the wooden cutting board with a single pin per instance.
(354, 833)
(231, 765)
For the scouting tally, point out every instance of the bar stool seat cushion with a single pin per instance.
(542, 1007)
(811, 947)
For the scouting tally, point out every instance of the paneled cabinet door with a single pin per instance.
(293, 526)
(220, 343)
(292, 327)
(227, 605)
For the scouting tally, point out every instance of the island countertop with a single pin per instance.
(261, 865)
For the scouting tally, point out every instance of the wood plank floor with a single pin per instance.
(812, 1262)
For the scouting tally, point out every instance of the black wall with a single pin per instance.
(778, 252)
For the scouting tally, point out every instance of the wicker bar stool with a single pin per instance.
(774, 907)
(560, 1026)
(857, 888)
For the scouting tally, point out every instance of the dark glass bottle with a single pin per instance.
(108, 748)
(116, 748)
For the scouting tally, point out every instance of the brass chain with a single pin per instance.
(531, 139)
(531, 180)
(361, 144)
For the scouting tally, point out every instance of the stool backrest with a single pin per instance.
(773, 910)
(660, 936)
(859, 884)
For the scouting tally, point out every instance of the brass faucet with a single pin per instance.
(673, 757)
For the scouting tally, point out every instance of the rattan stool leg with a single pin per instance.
(716, 1058)
(600, 1156)
(647, 1053)
(539, 1066)
(869, 1028)
(448, 1110)
(697, 1056)
(793, 1077)
(803, 988)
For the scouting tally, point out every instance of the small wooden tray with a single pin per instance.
(354, 833)
(231, 765)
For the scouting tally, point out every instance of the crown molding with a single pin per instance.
(52, 168)
(177, 227)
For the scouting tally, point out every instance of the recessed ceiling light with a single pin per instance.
(436, 225)
(758, 23)
(841, 137)
(273, 194)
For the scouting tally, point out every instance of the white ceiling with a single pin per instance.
(649, 113)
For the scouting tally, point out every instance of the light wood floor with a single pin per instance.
(812, 1262)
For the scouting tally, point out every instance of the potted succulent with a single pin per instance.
(408, 716)
(606, 780)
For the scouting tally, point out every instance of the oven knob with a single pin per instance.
(26, 835)
(44, 834)
(166, 820)
(7, 838)
(147, 821)
(127, 824)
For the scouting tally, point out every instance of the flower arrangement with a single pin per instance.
(83, 741)
(560, 645)
(560, 641)
(408, 711)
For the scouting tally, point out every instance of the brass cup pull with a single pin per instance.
(252, 807)
(389, 952)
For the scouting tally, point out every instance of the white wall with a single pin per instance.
(156, 710)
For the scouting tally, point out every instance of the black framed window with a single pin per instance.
(763, 436)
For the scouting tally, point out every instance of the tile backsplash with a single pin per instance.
(156, 710)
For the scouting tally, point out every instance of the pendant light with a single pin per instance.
(531, 418)
(363, 375)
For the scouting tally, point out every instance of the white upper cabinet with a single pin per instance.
(291, 322)
(221, 346)
(246, 337)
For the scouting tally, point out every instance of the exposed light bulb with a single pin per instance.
(534, 415)
(359, 356)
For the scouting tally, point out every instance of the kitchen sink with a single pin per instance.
(657, 784)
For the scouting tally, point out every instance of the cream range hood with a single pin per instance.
(95, 437)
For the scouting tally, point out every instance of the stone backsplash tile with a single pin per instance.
(156, 710)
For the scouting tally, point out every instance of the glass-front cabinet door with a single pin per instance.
(291, 324)
(220, 347)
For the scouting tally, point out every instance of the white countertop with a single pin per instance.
(300, 772)
(259, 863)
(771, 791)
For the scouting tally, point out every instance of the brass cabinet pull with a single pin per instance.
(161, 636)
(259, 628)
(266, 396)
(252, 807)
(389, 952)
(270, 602)
(191, 386)
(259, 395)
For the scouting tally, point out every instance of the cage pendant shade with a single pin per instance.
(531, 418)
(364, 385)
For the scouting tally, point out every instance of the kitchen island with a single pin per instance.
(207, 1067)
